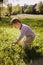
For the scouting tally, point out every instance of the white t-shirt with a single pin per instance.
(25, 31)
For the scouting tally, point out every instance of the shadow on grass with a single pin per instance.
(4, 21)
(31, 54)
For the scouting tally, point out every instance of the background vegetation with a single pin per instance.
(26, 9)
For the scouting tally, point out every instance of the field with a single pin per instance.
(15, 55)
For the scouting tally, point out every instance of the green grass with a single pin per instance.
(15, 55)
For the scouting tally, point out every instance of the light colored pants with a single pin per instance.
(27, 41)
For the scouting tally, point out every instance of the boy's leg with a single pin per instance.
(27, 42)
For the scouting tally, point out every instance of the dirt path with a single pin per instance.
(37, 62)
(28, 16)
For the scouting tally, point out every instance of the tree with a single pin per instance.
(29, 10)
(34, 9)
(0, 11)
(1, 1)
(17, 9)
(39, 7)
(1, 5)
(10, 9)
(24, 8)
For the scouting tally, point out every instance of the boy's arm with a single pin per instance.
(17, 41)
(20, 37)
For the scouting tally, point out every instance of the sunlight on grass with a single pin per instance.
(15, 55)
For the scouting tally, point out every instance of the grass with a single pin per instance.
(15, 55)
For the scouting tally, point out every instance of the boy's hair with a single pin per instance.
(15, 21)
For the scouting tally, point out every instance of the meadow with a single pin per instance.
(15, 55)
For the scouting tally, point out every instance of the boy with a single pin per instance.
(25, 31)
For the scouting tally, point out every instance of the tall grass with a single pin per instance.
(15, 55)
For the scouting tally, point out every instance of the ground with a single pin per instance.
(15, 55)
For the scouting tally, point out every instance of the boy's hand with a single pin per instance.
(17, 42)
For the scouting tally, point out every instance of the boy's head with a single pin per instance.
(16, 23)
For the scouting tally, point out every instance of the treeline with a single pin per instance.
(33, 9)
(26, 9)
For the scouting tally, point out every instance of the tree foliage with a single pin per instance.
(39, 7)
(1, 0)
(29, 9)
(17, 9)
(10, 8)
